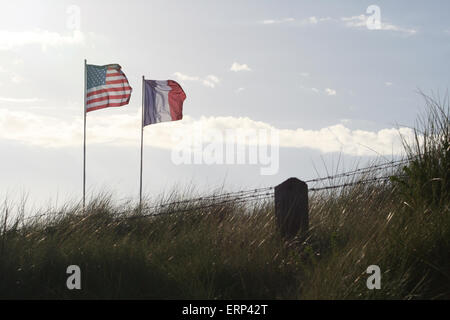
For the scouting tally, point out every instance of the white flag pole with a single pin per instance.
(84, 136)
(142, 143)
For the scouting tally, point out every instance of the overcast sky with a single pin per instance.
(312, 70)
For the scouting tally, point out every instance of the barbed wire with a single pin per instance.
(245, 199)
(258, 193)
(353, 183)
(213, 197)
(369, 169)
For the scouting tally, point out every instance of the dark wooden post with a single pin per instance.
(291, 207)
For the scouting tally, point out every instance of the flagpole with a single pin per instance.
(84, 137)
(142, 144)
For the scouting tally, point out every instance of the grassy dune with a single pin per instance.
(233, 251)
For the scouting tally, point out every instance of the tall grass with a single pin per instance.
(233, 250)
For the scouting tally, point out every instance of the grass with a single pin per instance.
(234, 251)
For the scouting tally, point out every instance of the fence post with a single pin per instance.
(291, 207)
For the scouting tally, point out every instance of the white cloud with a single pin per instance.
(209, 81)
(361, 22)
(269, 21)
(330, 92)
(44, 131)
(277, 21)
(315, 20)
(355, 21)
(304, 74)
(238, 90)
(185, 77)
(388, 84)
(315, 90)
(44, 38)
(236, 67)
(327, 91)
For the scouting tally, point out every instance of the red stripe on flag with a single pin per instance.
(176, 99)
(93, 93)
(117, 81)
(109, 97)
(114, 74)
(106, 106)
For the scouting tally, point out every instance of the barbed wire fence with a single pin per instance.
(262, 194)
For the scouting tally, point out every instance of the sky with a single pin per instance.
(336, 81)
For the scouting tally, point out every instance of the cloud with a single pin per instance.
(361, 22)
(315, 20)
(185, 77)
(304, 74)
(13, 39)
(209, 81)
(327, 91)
(388, 84)
(124, 130)
(277, 21)
(330, 92)
(355, 21)
(315, 90)
(239, 90)
(236, 67)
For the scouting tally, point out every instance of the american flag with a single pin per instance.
(107, 86)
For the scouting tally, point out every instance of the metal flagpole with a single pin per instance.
(84, 139)
(142, 144)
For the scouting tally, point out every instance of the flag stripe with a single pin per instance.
(176, 98)
(104, 94)
(116, 81)
(115, 74)
(115, 78)
(110, 101)
(122, 96)
(116, 85)
(108, 90)
(106, 106)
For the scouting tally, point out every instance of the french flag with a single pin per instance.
(163, 101)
